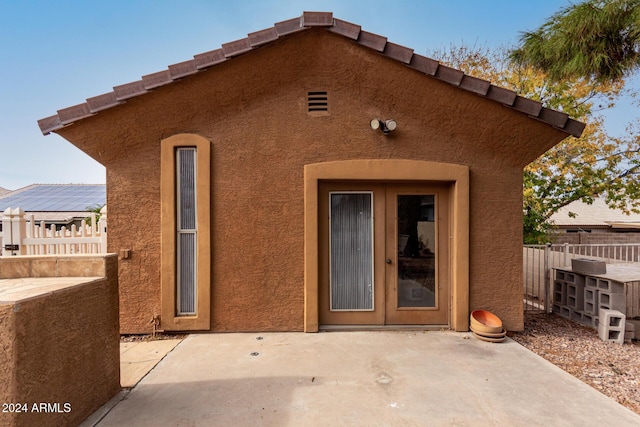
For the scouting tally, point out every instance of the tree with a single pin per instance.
(596, 39)
(96, 209)
(577, 168)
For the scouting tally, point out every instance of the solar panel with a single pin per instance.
(56, 198)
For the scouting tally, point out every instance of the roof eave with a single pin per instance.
(255, 40)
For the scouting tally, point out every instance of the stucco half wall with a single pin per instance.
(391, 170)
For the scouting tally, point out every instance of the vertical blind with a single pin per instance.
(351, 251)
(186, 230)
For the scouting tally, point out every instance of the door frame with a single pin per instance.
(391, 170)
(395, 315)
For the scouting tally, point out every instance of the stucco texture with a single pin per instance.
(60, 347)
(253, 109)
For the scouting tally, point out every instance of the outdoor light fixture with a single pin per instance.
(387, 126)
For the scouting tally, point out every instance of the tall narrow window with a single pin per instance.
(185, 217)
(186, 230)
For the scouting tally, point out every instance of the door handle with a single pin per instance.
(388, 261)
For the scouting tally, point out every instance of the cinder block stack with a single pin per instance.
(568, 296)
(611, 295)
(584, 298)
(612, 326)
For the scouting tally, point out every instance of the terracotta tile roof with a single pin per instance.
(308, 20)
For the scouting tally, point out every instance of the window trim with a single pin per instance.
(170, 320)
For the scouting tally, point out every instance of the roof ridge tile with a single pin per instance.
(317, 19)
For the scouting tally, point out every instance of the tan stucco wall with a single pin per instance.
(59, 346)
(253, 110)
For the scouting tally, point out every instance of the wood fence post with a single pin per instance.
(548, 278)
(14, 229)
(102, 227)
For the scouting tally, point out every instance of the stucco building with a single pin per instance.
(313, 175)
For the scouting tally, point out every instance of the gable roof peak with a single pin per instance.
(307, 20)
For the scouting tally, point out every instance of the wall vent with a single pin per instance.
(317, 102)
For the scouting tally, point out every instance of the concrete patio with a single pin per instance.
(377, 378)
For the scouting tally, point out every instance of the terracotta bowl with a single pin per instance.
(489, 339)
(483, 321)
(489, 335)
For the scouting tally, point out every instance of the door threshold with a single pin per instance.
(336, 328)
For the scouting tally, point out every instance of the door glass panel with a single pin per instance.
(351, 250)
(186, 231)
(416, 251)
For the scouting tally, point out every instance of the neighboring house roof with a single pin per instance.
(597, 214)
(60, 198)
(4, 191)
(228, 51)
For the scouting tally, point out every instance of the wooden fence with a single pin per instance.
(22, 236)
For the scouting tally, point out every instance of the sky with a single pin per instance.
(55, 54)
